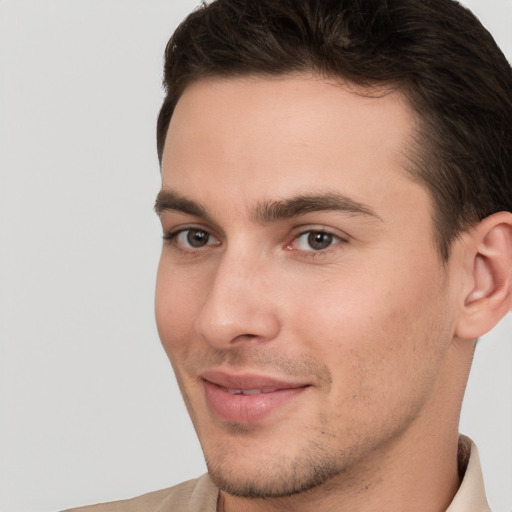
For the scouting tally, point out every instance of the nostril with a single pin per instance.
(246, 337)
(237, 328)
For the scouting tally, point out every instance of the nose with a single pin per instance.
(240, 305)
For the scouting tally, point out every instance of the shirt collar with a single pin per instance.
(471, 494)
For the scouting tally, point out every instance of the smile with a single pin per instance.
(250, 391)
(247, 398)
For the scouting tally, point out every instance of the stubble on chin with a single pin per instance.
(277, 475)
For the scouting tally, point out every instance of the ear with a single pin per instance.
(488, 296)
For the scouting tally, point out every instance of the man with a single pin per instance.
(336, 207)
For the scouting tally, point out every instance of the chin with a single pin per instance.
(274, 476)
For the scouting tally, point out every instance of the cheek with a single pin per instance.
(177, 304)
(380, 331)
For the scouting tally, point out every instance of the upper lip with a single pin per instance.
(247, 381)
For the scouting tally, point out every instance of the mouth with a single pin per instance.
(247, 398)
(250, 391)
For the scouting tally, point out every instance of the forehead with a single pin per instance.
(253, 139)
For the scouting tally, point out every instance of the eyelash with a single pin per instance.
(334, 241)
(172, 238)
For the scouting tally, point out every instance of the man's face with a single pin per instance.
(300, 296)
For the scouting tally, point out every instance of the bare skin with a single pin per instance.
(321, 346)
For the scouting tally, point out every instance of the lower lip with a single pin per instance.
(246, 408)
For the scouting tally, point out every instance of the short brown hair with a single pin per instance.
(435, 51)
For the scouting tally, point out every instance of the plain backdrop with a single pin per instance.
(89, 407)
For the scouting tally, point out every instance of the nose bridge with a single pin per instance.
(239, 305)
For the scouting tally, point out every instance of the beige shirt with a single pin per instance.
(201, 495)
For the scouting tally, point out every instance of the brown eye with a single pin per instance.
(196, 238)
(192, 238)
(315, 241)
(318, 240)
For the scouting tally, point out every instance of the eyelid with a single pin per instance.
(320, 228)
(303, 230)
(171, 236)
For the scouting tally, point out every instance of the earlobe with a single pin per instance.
(490, 296)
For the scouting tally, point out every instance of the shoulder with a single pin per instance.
(198, 494)
(146, 502)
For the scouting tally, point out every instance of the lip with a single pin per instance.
(226, 399)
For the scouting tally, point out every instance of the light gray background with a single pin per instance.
(89, 407)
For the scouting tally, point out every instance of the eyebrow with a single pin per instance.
(300, 205)
(168, 200)
(270, 211)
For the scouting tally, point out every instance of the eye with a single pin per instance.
(192, 238)
(315, 241)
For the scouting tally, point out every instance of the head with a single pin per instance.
(336, 177)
